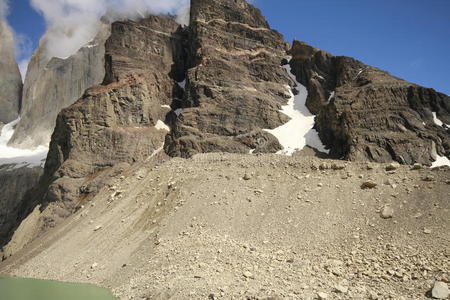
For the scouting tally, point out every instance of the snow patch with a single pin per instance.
(90, 46)
(182, 84)
(160, 125)
(437, 121)
(331, 96)
(178, 111)
(298, 132)
(359, 73)
(19, 157)
(441, 161)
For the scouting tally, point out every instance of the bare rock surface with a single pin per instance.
(121, 121)
(367, 114)
(234, 86)
(188, 229)
(53, 84)
(14, 182)
(10, 79)
(112, 126)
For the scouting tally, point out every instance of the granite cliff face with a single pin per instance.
(365, 114)
(10, 79)
(234, 84)
(53, 85)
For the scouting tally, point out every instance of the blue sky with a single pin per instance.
(408, 38)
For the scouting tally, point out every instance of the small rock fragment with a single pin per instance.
(322, 296)
(440, 290)
(428, 178)
(369, 184)
(341, 289)
(417, 166)
(387, 212)
(97, 228)
(248, 274)
(426, 230)
(337, 166)
(392, 166)
(247, 176)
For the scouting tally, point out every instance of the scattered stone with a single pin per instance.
(247, 176)
(322, 296)
(97, 228)
(338, 166)
(387, 212)
(440, 290)
(428, 178)
(94, 265)
(341, 289)
(248, 274)
(392, 166)
(369, 184)
(426, 230)
(417, 166)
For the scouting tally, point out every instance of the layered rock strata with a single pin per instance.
(366, 114)
(234, 84)
(10, 79)
(121, 121)
(113, 125)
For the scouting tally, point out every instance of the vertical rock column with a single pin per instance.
(235, 85)
(10, 79)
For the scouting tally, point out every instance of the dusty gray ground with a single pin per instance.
(224, 226)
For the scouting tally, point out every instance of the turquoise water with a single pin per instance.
(32, 289)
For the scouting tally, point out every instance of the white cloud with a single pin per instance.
(73, 23)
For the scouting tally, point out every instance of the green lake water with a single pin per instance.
(32, 289)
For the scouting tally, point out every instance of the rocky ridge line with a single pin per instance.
(365, 114)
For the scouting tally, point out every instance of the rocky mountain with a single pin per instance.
(149, 91)
(234, 85)
(53, 84)
(10, 79)
(364, 113)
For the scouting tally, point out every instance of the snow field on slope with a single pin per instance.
(19, 157)
(299, 131)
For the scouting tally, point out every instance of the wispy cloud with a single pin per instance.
(73, 23)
